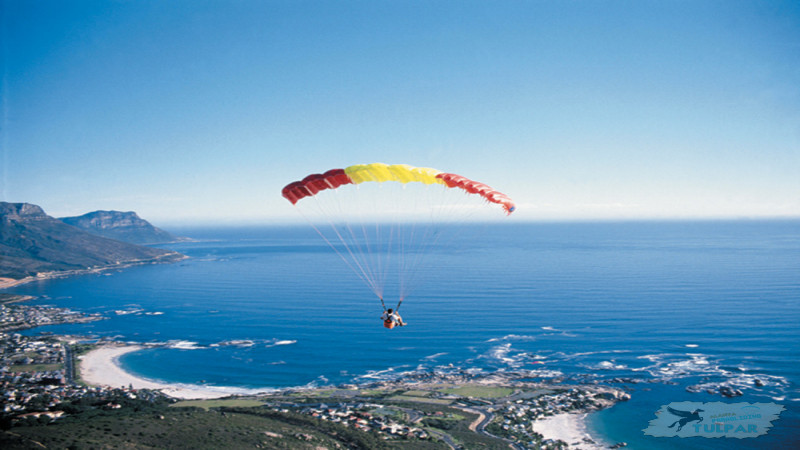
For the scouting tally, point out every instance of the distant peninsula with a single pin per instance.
(35, 245)
(122, 226)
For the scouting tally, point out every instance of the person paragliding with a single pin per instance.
(392, 319)
(383, 233)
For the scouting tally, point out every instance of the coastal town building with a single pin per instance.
(36, 372)
(358, 415)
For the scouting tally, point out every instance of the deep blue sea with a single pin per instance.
(668, 304)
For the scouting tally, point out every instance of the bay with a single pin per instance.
(663, 305)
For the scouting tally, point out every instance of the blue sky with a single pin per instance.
(201, 111)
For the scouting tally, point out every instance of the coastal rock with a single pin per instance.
(722, 389)
(729, 392)
(629, 380)
(616, 395)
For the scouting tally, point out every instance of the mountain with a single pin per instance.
(31, 242)
(122, 226)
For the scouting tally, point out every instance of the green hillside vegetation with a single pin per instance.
(36, 367)
(192, 428)
(145, 425)
(411, 398)
(479, 391)
(218, 403)
(225, 423)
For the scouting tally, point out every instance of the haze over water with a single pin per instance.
(670, 305)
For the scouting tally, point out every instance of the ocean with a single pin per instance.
(666, 310)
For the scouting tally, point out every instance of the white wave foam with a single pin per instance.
(696, 364)
(513, 337)
(545, 373)
(610, 365)
(569, 356)
(434, 356)
(318, 382)
(277, 342)
(187, 390)
(234, 343)
(666, 367)
(562, 333)
(184, 345)
(245, 343)
(377, 374)
(391, 373)
(501, 353)
(504, 354)
(652, 358)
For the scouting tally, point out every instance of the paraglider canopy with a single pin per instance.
(402, 173)
(384, 230)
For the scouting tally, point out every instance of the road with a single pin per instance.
(479, 425)
(69, 364)
(446, 438)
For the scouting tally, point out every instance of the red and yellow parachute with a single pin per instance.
(402, 173)
(383, 231)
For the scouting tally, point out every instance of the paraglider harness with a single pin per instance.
(389, 322)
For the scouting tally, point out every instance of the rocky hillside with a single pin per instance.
(122, 226)
(31, 242)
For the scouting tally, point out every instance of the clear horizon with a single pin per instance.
(200, 112)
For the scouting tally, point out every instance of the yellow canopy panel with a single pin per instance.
(401, 173)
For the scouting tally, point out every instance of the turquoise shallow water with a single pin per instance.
(658, 306)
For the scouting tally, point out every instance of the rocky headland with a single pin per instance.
(34, 245)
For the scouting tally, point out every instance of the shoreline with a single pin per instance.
(170, 257)
(101, 367)
(570, 428)
(6, 283)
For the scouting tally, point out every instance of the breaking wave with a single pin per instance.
(245, 343)
(277, 342)
(184, 345)
(513, 337)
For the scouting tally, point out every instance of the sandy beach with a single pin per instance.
(11, 282)
(100, 367)
(570, 428)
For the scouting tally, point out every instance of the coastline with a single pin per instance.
(101, 367)
(170, 257)
(6, 283)
(570, 428)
